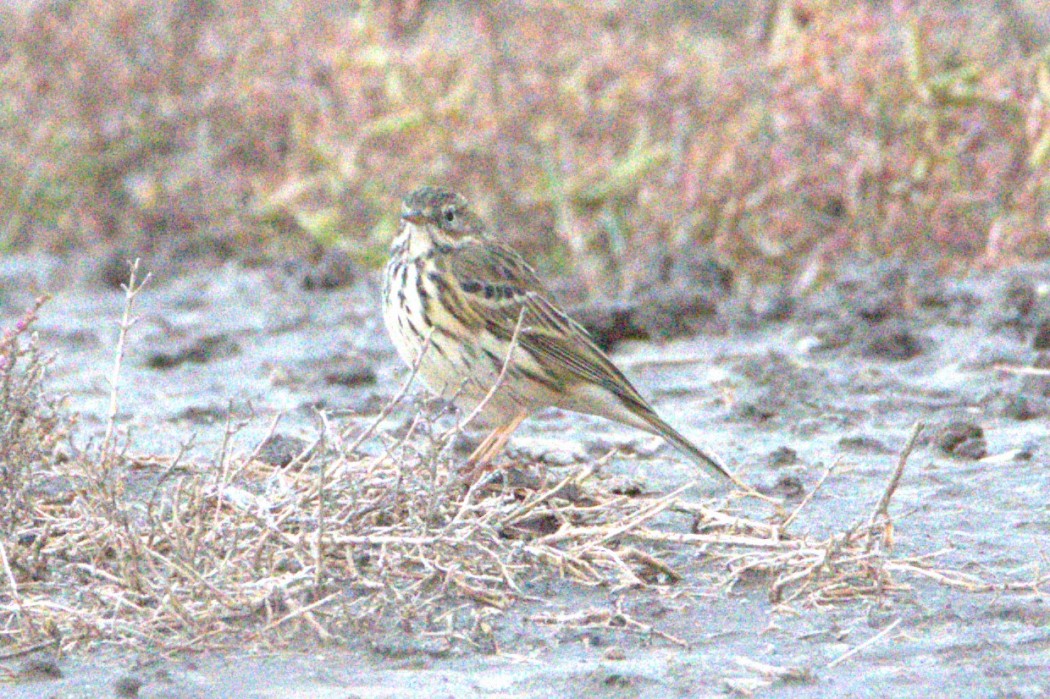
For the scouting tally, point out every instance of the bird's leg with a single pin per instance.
(479, 451)
(492, 445)
(503, 437)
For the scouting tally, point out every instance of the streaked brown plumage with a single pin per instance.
(449, 282)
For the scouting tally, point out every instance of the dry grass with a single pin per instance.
(245, 553)
(30, 427)
(786, 138)
(173, 554)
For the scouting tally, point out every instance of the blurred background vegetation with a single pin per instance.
(616, 139)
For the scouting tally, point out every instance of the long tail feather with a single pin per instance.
(709, 463)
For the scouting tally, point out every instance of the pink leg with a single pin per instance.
(492, 445)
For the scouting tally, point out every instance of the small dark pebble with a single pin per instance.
(663, 313)
(463, 446)
(962, 439)
(370, 404)
(863, 444)
(281, 450)
(287, 564)
(877, 306)
(892, 342)
(204, 415)
(198, 351)
(528, 479)
(127, 686)
(624, 485)
(753, 413)
(617, 680)
(789, 486)
(353, 376)
(1020, 298)
(1023, 407)
(783, 456)
(592, 638)
(313, 405)
(1025, 453)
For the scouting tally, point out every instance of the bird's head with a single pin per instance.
(441, 215)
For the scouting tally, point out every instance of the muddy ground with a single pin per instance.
(780, 392)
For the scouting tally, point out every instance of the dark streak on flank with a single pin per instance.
(412, 327)
(497, 362)
(437, 347)
(424, 298)
(441, 284)
(446, 332)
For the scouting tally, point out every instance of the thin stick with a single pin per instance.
(874, 639)
(318, 547)
(884, 502)
(500, 377)
(725, 539)
(14, 587)
(12, 583)
(389, 407)
(752, 493)
(126, 321)
(719, 517)
(302, 610)
(607, 533)
(772, 671)
(1024, 370)
(809, 496)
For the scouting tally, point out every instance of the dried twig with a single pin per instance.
(867, 644)
(882, 509)
(131, 291)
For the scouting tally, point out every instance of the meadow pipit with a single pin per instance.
(455, 301)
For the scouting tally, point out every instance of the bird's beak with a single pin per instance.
(413, 216)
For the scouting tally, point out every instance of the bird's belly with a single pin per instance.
(456, 362)
(446, 357)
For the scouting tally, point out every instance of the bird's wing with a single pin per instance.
(495, 278)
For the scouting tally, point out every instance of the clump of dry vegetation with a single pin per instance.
(178, 554)
(785, 137)
(30, 422)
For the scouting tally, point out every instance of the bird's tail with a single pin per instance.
(709, 463)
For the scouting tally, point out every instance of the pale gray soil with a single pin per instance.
(841, 377)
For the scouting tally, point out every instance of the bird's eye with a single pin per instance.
(450, 215)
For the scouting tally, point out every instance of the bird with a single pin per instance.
(481, 330)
